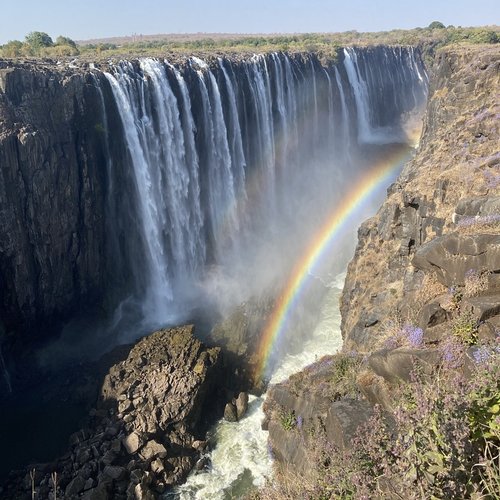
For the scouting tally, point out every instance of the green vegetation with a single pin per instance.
(38, 39)
(39, 44)
(436, 25)
(288, 420)
(465, 327)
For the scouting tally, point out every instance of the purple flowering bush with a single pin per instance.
(442, 440)
(407, 335)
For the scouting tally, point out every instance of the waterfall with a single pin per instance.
(165, 167)
(345, 123)
(365, 132)
(223, 158)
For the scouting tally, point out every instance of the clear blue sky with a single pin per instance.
(83, 19)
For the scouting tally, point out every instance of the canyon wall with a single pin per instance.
(451, 186)
(434, 243)
(128, 183)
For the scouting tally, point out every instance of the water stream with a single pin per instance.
(240, 460)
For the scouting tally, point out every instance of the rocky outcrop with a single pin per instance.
(451, 186)
(145, 433)
(427, 264)
(451, 256)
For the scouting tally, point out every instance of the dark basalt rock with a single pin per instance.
(452, 255)
(145, 433)
(431, 315)
(484, 307)
(52, 168)
(398, 364)
(241, 404)
(478, 206)
(343, 420)
(230, 412)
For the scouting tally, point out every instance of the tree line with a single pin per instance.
(40, 44)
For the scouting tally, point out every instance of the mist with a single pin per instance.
(221, 174)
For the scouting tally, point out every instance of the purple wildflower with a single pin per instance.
(299, 422)
(451, 352)
(414, 335)
(480, 355)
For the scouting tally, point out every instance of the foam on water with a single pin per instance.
(240, 459)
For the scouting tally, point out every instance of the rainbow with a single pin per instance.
(348, 211)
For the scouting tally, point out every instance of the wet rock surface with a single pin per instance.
(144, 435)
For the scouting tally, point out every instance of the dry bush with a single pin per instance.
(430, 289)
(476, 282)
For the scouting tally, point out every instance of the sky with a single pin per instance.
(88, 19)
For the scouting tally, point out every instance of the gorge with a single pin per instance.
(142, 194)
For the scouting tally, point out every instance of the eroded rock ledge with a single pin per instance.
(146, 432)
(439, 223)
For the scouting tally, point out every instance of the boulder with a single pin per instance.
(76, 486)
(431, 315)
(396, 365)
(115, 472)
(241, 404)
(202, 464)
(142, 492)
(343, 419)
(483, 307)
(230, 413)
(153, 449)
(132, 442)
(288, 447)
(453, 255)
(199, 445)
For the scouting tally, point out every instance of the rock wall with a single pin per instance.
(437, 232)
(451, 186)
(52, 168)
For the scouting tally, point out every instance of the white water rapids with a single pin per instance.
(240, 459)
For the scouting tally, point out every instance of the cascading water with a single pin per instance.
(376, 124)
(235, 164)
(224, 158)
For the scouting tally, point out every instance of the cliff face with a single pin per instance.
(455, 175)
(52, 169)
(124, 183)
(437, 233)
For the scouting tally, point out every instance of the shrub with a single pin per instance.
(436, 25)
(12, 49)
(64, 40)
(406, 335)
(288, 420)
(465, 327)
